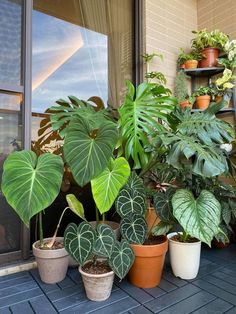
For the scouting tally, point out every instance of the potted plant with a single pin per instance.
(99, 255)
(209, 44)
(30, 184)
(203, 97)
(229, 61)
(223, 86)
(181, 91)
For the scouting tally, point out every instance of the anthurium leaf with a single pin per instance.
(88, 150)
(75, 205)
(122, 258)
(162, 204)
(199, 217)
(129, 201)
(79, 241)
(135, 182)
(105, 241)
(30, 183)
(133, 228)
(106, 186)
(162, 228)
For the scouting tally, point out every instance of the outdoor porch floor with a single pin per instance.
(213, 291)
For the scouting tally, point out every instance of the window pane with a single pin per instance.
(10, 140)
(10, 41)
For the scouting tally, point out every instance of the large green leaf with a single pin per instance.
(135, 182)
(79, 241)
(129, 201)
(162, 228)
(87, 150)
(162, 205)
(75, 205)
(139, 118)
(105, 241)
(199, 217)
(134, 228)
(106, 186)
(122, 258)
(30, 183)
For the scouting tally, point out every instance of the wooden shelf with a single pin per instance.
(204, 72)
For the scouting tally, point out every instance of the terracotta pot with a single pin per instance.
(210, 56)
(148, 264)
(182, 66)
(191, 64)
(185, 104)
(218, 98)
(97, 287)
(202, 102)
(52, 264)
(151, 217)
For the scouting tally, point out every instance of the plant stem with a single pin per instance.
(184, 237)
(103, 217)
(97, 215)
(41, 229)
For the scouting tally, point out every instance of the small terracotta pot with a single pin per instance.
(52, 264)
(202, 102)
(218, 98)
(210, 56)
(148, 264)
(97, 287)
(191, 64)
(151, 217)
(185, 104)
(182, 66)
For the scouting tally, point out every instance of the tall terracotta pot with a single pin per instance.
(151, 217)
(210, 56)
(202, 102)
(148, 264)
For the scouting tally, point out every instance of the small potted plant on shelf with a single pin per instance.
(203, 97)
(223, 86)
(188, 60)
(229, 61)
(181, 91)
(209, 43)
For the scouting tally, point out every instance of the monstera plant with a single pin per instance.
(98, 249)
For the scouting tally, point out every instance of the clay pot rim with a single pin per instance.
(55, 253)
(210, 48)
(95, 275)
(154, 246)
(204, 96)
(170, 235)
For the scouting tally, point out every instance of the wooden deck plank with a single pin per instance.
(13, 276)
(166, 285)
(45, 287)
(171, 298)
(15, 281)
(118, 307)
(22, 308)
(41, 305)
(155, 292)
(174, 280)
(24, 287)
(221, 284)
(217, 306)
(140, 310)
(190, 304)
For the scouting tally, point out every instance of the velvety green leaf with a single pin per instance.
(106, 186)
(79, 241)
(88, 150)
(161, 229)
(30, 183)
(105, 241)
(162, 204)
(135, 182)
(122, 258)
(134, 228)
(199, 217)
(75, 205)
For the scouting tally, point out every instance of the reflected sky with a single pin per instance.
(67, 60)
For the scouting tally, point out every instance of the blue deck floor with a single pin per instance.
(213, 291)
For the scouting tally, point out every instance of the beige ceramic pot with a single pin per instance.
(52, 264)
(97, 287)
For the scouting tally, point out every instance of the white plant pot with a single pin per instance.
(184, 257)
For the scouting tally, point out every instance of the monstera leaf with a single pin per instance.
(129, 201)
(75, 205)
(105, 241)
(30, 183)
(87, 150)
(79, 241)
(134, 228)
(106, 186)
(122, 258)
(199, 217)
(135, 183)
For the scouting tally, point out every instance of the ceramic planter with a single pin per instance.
(210, 58)
(202, 102)
(52, 264)
(97, 287)
(191, 64)
(184, 257)
(148, 264)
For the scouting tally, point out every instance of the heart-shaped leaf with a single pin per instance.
(122, 258)
(79, 241)
(134, 228)
(135, 182)
(162, 204)
(129, 201)
(105, 241)
(75, 205)
(161, 229)
(30, 183)
(87, 150)
(106, 186)
(199, 217)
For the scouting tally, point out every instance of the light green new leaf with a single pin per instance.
(88, 150)
(106, 186)
(75, 205)
(105, 241)
(199, 217)
(30, 183)
(79, 241)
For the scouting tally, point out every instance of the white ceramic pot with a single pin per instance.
(184, 257)
(97, 287)
(52, 264)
